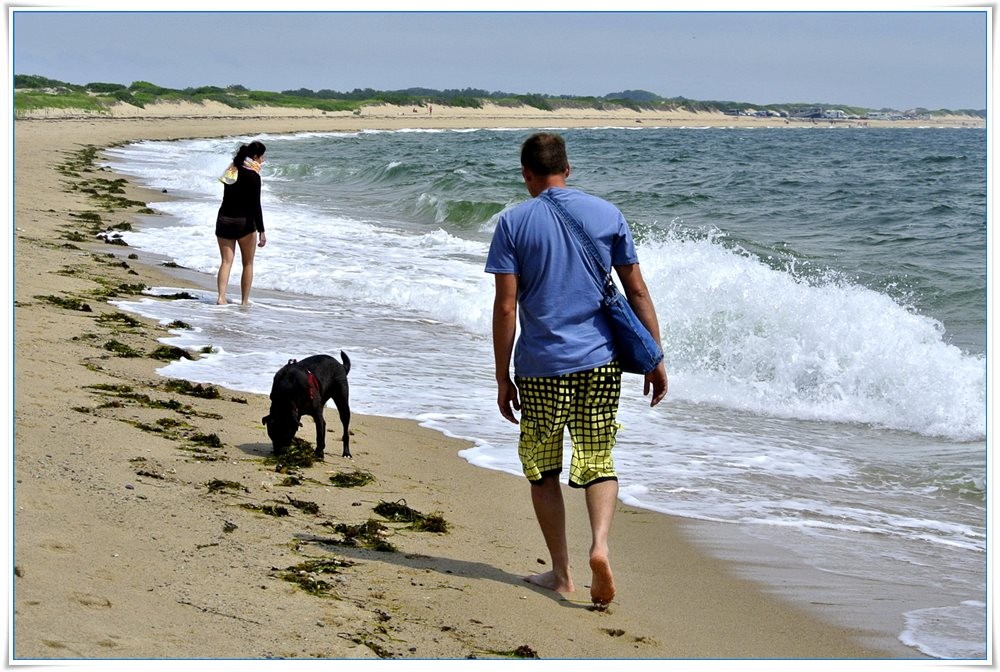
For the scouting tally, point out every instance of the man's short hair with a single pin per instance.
(544, 154)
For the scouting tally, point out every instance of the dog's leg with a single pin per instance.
(320, 434)
(345, 420)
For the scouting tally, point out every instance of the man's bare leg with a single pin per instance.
(602, 498)
(550, 511)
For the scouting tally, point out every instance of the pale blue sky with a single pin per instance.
(895, 59)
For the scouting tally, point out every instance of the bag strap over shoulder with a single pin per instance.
(576, 228)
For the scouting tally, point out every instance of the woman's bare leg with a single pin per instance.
(248, 246)
(227, 248)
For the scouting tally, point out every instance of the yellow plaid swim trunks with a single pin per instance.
(587, 403)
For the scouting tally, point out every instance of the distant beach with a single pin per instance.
(488, 116)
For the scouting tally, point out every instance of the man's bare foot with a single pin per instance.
(550, 581)
(221, 302)
(602, 586)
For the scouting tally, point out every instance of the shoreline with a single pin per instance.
(165, 591)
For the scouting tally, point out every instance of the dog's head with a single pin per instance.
(281, 424)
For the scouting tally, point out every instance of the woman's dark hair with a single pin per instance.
(545, 154)
(255, 148)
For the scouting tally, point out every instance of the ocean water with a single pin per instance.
(822, 297)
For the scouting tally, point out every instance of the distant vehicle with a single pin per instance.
(809, 114)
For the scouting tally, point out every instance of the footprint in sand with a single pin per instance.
(89, 600)
(58, 546)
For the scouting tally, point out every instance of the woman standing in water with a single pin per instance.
(240, 218)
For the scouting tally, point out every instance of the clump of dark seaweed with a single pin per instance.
(303, 505)
(201, 454)
(119, 318)
(192, 390)
(93, 219)
(177, 295)
(169, 353)
(109, 289)
(71, 303)
(171, 428)
(120, 349)
(125, 393)
(114, 389)
(374, 646)
(352, 479)
(369, 534)
(305, 574)
(299, 454)
(270, 509)
(210, 440)
(219, 485)
(523, 651)
(401, 513)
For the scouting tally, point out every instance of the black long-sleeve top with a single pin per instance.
(242, 198)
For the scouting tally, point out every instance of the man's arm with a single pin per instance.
(504, 329)
(642, 303)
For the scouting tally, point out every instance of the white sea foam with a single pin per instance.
(944, 632)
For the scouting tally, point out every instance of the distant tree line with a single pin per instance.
(34, 92)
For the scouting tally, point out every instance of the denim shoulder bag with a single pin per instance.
(635, 347)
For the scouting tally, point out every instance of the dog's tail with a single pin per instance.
(347, 361)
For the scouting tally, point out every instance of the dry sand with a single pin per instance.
(122, 550)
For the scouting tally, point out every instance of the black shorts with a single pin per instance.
(233, 228)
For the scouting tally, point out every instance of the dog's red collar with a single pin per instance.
(314, 388)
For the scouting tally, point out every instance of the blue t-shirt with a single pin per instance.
(563, 329)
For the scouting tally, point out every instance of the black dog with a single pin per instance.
(303, 388)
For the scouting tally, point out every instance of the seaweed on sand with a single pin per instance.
(219, 485)
(369, 534)
(120, 349)
(523, 651)
(306, 574)
(72, 303)
(195, 390)
(299, 454)
(275, 510)
(303, 505)
(399, 512)
(169, 353)
(119, 319)
(352, 479)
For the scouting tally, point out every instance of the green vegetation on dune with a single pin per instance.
(33, 92)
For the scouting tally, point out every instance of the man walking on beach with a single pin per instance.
(564, 362)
